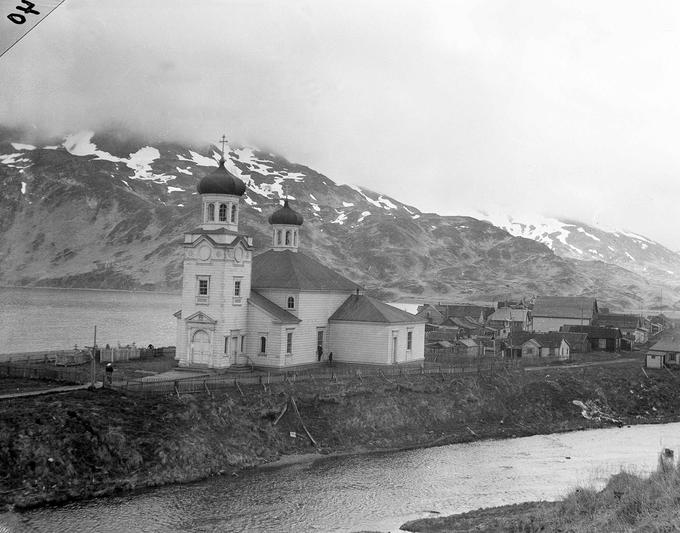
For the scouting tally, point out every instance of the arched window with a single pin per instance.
(291, 302)
(295, 238)
(263, 344)
(223, 212)
(211, 212)
(233, 213)
(287, 237)
(278, 236)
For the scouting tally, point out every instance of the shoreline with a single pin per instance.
(142, 291)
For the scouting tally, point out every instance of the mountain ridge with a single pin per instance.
(107, 210)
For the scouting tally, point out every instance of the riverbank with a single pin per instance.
(628, 502)
(84, 444)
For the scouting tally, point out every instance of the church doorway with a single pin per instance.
(201, 349)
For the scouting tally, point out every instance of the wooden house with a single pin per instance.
(664, 352)
(550, 313)
(506, 318)
(633, 328)
(578, 342)
(535, 345)
(601, 339)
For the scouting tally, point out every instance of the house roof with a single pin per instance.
(294, 270)
(573, 338)
(551, 339)
(442, 335)
(463, 310)
(565, 307)
(594, 332)
(506, 314)
(271, 308)
(462, 322)
(468, 342)
(362, 308)
(618, 321)
(669, 343)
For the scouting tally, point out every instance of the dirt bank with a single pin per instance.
(83, 444)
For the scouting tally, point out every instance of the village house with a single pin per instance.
(505, 319)
(281, 308)
(550, 313)
(633, 328)
(437, 314)
(532, 344)
(665, 352)
(578, 342)
(601, 339)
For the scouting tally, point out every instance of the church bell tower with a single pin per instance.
(211, 327)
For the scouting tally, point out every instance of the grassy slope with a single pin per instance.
(55, 448)
(627, 503)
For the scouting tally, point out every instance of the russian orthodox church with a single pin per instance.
(279, 308)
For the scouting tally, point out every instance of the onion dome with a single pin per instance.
(286, 216)
(221, 181)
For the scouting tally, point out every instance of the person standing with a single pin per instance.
(330, 358)
(319, 353)
(109, 374)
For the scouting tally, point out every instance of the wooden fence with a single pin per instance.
(22, 370)
(208, 384)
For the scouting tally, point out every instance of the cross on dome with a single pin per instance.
(223, 141)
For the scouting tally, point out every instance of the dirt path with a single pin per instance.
(41, 392)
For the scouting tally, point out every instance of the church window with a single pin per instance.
(237, 287)
(263, 344)
(233, 213)
(278, 236)
(223, 212)
(287, 237)
(203, 285)
(291, 302)
(243, 343)
(409, 340)
(289, 343)
(211, 212)
(295, 238)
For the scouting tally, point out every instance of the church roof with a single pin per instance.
(294, 270)
(362, 308)
(221, 181)
(286, 215)
(271, 308)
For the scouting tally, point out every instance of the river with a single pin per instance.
(56, 319)
(369, 492)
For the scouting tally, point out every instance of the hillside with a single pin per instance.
(108, 211)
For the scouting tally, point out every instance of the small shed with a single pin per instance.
(655, 359)
(668, 348)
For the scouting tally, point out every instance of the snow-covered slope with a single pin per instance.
(581, 241)
(108, 210)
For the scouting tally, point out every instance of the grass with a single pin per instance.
(627, 503)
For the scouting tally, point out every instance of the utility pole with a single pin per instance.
(94, 355)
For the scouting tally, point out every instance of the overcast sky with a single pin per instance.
(559, 108)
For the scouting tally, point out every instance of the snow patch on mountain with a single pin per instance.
(14, 160)
(364, 214)
(20, 146)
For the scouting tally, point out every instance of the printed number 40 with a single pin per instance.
(27, 8)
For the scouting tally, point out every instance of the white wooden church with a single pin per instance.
(279, 308)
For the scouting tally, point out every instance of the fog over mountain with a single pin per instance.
(109, 209)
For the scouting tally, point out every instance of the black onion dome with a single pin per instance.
(286, 215)
(221, 181)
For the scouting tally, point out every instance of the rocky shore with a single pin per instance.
(83, 444)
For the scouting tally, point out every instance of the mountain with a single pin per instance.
(576, 240)
(108, 211)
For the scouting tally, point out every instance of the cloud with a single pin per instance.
(559, 107)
